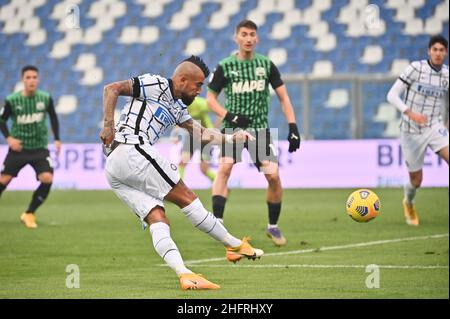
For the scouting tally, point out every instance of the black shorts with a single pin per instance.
(39, 159)
(260, 150)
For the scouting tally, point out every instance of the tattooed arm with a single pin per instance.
(110, 94)
(213, 135)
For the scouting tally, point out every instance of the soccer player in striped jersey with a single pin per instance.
(426, 85)
(28, 138)
(143, 179)
(245, 77)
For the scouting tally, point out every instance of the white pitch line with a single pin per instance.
(304, 251)
(325, 266)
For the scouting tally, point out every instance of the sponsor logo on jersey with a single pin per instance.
(431, 91)
(30, 118)
(235, 73)
(19, 107)
(249, 86)
(163, 116)
(259, 71)
(40, 106)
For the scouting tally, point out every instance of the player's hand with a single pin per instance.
(237, 119)
(14, 143)
(242, 136)
(107, 134)
(293, 138)
(417, 117)
(58, 147)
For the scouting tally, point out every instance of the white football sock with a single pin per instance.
(410, 193)
(209, 224)
(166, 247)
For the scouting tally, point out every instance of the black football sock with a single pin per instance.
(39, 197)
(274, 212)
(218, 203)
(2, 188)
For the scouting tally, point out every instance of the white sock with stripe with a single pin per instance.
(166, 247)
(209, 224)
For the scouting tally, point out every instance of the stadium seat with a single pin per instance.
(338, 99)
(373, 54)
(398, 66)
(386, 113)
(278, 56)
(66, 104)
(195, 47)
(322, 69)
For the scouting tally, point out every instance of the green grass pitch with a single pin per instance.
(116, 259)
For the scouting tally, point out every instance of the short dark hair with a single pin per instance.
(246, 24)
(200, 63)
(438, 39)
(29, 68)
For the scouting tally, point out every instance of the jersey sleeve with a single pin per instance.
(53, 119)
(217, 80)
(275, 76)
(5, 113)
(143, 84)
(410, 74)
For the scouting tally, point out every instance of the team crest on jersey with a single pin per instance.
(260, 71)
(40, 106)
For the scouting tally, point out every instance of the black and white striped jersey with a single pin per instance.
(427, 89)
(150, 112)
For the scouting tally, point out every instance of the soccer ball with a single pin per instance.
(363, 205)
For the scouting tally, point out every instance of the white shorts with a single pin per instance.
(414, 146)
(140, 177)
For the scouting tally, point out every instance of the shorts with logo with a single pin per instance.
(39, 159)
(140, 177)
(414, 146)
(260, 150)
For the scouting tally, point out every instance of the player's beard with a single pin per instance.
(187, 100)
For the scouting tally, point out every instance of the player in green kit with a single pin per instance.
(198, 110)
(245, 77)
(28, 138)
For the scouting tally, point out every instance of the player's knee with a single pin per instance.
(5, 179)
(273, 179)
(416, 181)
(46, 178)
(156, 215)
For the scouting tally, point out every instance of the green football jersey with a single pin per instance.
(29, 118)
(246, 84)
(199, 111)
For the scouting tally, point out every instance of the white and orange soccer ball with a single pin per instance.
(363, 205)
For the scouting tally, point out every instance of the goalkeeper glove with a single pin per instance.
(293, 138)
(237, 119)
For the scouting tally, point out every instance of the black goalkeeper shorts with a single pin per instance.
(39, 159)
